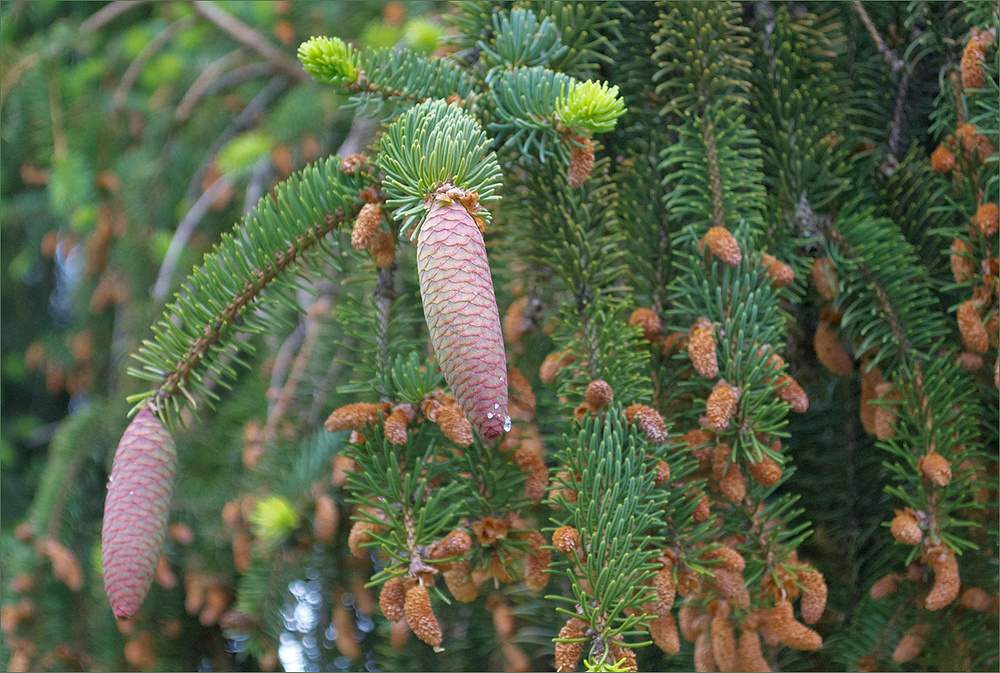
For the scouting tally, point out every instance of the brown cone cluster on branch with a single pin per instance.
(598, 394)
(765, 471)
(522, 397)
(814, 594)
(721, 406)
(722, 244)
(568, 654)
(723, 642)
(661, 473)
(420, 617)
(361, 534)
(624, 656)
(943, 159)
(788, 390)
(976, 599)
(973, 56)
(455, 425)
(666, 591)
(749, 655)
(731, 559)
(905, 529)
(366, 226)
(830, 351)
(391, 599)
(536, 562)
(563, 486)
(871, 376)
(701, 349)
(791, 632)
(704, 659)
(883, 587)
(649, 422)
(733, 485)
(352, 162)
(987, 219)
(663, 632)
(935, 468)
(886, 414)
(566, 540)
(395, 426)
(552, 363)
(946, 580)
(975, 145)
(649, 321)
(581, 161)
(781, 274)
(325, 518)
(460, 582)
(383, 249)
(455, 543)
(529, 453)
(962, 266)
(911, 643)
(355, 416)
(823, 278)
(969, 361)
(974, 334)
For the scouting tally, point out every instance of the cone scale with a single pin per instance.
(136, 511)
(460, 308)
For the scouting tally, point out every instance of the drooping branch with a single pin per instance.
(107, 14)
(204, 80)
(142, 58)
(177, 380)
(891, 59)
(882, 302)
(249, 37)
(183, 233)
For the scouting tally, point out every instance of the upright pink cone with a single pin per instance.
(461, 312)
(136, 511)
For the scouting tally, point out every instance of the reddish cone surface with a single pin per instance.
(461, 312)
(136, 511)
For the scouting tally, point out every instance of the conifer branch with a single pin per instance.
(903, 344)
(177, 380)
(278, 238)
(385, 294)
(182, 234)
(891, 59)
(286, 393)
(714, 180)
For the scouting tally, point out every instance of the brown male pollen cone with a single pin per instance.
(460, 308)
(136, 511)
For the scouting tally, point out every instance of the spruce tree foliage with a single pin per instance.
(743, 257)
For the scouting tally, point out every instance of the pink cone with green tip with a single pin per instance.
(136, 511)
(461, 312)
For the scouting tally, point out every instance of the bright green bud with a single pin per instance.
(423, 35)
(273, 519)
(589, 105)
(242, 153)
(330, 59)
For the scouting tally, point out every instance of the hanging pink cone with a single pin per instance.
(461, 312)
(136, 511)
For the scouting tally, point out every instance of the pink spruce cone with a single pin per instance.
(136, 511)
(461, 312)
